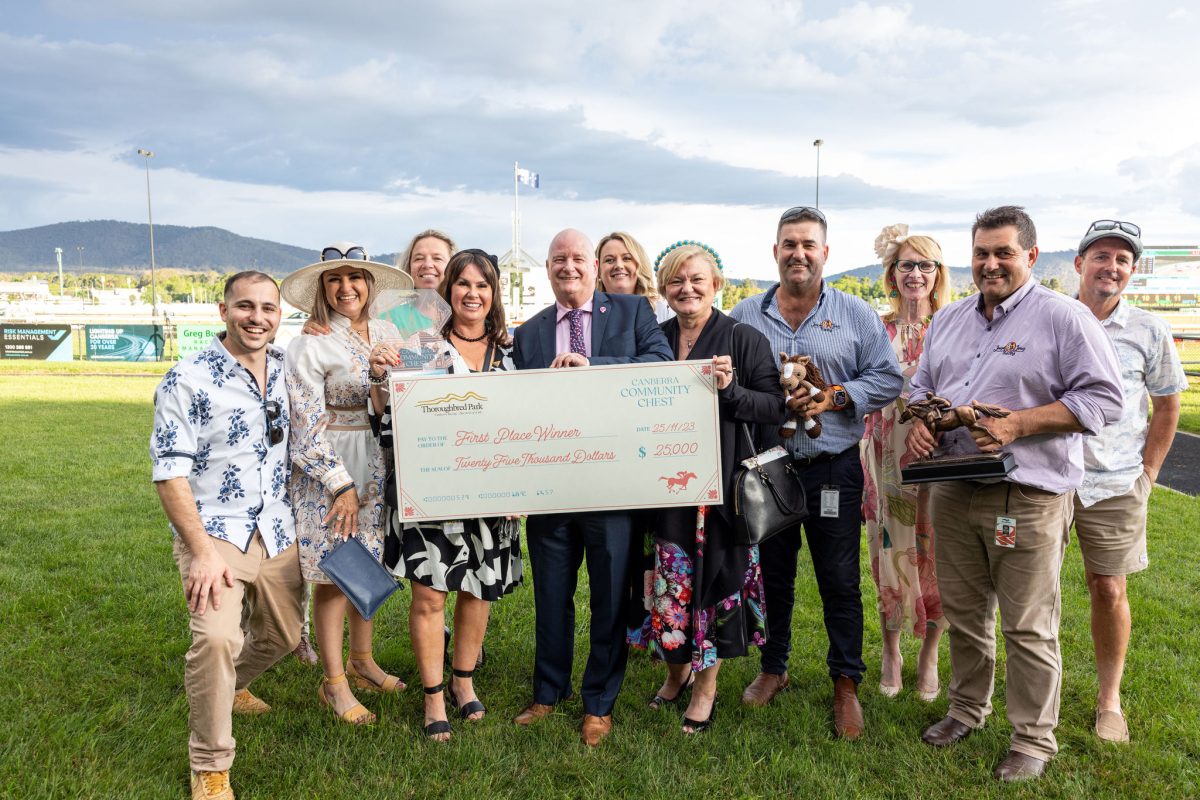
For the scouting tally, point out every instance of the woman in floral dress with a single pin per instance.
(338, 467)
(704, 599)
(899, 533)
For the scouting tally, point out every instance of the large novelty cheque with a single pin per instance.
(556, 440)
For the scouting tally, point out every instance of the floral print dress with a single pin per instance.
(331, 439)
(899, 531)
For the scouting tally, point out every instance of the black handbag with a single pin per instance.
(767, 497)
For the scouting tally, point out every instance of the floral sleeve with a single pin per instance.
(306, 395)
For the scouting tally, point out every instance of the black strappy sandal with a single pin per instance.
(700, 726)
(438, 726)
(470, 708)
(659, 701)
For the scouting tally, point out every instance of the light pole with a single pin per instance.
(79, 247)
(58, 256)
(817, 144)
(150, 216)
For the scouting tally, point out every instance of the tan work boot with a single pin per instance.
(247, 704)
(211, 786)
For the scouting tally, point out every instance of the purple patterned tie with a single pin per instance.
(574, 317)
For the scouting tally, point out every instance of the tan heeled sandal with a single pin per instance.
(358, 714)
(391, 684)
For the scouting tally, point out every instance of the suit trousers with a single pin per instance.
(976, 575)
(834, 544)
(558, 544)
(223, 657)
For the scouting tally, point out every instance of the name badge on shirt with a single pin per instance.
(453, 526)
(829, 501)
(1006, 532)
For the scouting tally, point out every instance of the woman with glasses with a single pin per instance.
(337, 480)
(479, 559)
(899, 534)
(623, 268)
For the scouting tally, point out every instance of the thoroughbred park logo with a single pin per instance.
(467, 403)
(827, 325)
(1010, 349)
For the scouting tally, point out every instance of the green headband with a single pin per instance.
(684, 243)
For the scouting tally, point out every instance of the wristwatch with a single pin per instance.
(840, 399)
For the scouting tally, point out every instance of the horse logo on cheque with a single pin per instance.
(678, 482)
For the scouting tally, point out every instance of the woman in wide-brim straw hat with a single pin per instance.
(337, 484)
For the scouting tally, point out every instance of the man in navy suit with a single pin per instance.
(584, 327)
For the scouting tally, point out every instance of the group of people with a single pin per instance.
(266, 461)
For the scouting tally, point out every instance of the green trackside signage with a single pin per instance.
(124, 342)
(36, 342)
(191, 339)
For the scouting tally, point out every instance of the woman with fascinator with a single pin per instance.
(336, 484)
(703, 601)
(479, 559)
(899, 533)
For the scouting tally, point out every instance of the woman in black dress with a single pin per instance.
(704, 600)
(480, 559)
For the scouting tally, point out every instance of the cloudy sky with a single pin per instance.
(308, 121)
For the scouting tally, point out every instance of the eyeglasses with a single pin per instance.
(1115, 225)
(924, 266)
(274, 421)
(353, 254)
(803, 212)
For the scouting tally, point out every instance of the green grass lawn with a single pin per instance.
(95, 632)
(1189, 408)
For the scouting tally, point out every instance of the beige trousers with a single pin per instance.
(976, 576)
(223, 657)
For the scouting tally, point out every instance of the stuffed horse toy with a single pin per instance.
(799, 372)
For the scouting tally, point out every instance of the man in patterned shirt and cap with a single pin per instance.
(220, 455)
(1122, 461)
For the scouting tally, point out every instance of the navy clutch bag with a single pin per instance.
(361, 578)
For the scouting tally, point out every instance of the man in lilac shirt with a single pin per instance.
(584, 327)
(1043, 355)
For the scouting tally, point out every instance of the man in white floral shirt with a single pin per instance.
(1122, 461)
(220, 455)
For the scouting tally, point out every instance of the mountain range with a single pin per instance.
(113, 246)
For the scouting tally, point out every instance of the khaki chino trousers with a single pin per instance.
(976, 576)
(223, 657)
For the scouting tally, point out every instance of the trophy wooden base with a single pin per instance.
(958, 468)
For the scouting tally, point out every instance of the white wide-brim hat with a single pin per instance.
(300, 288)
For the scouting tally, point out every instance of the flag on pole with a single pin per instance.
(527, 177)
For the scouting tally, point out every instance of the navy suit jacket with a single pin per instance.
(624, 331)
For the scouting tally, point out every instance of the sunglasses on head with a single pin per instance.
(274, 421)
(802, 212)
(1115, 225)
(353, 254)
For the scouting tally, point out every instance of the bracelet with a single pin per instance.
(343, 490)
(380, 381)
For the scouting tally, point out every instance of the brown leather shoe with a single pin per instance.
(945, 732)
(532, 713)
(1019, 767)
(595, 729)
(763, 689)
(847, 713)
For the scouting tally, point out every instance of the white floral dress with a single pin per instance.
(331, 439)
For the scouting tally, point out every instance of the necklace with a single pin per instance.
(478, 338)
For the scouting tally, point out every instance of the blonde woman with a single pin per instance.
(624, 268)
(899, 532)
(337, 482)
(703, 602)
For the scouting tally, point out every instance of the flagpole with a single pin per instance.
(516, 214)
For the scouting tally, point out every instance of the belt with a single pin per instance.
(363, 407)
(821, 458)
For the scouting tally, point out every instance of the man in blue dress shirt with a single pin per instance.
(801, 315)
